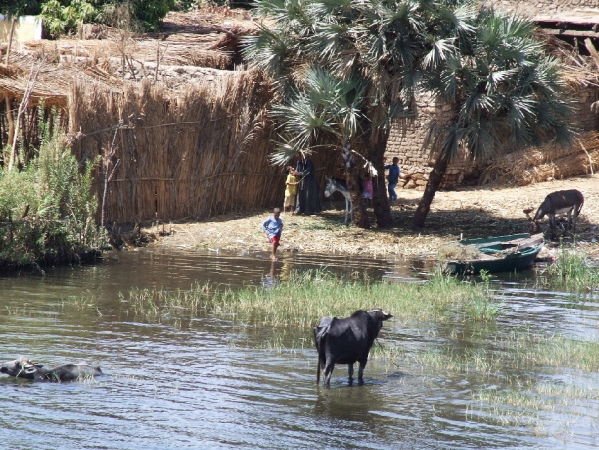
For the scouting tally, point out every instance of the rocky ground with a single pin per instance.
(468, 212)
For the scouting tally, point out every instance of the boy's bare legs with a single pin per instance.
(273, 255)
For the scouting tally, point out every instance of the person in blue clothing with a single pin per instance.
(392, 178)
(273, 227)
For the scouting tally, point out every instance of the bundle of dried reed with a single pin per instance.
(545, 163)
(195, 154)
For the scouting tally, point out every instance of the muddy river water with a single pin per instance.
(208, 382)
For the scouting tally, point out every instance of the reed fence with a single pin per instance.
(185, 151)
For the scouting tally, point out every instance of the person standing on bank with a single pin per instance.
(392, 178)
(308, 193)
(290, 190)
(273, 227)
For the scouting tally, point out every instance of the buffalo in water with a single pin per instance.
(345, 341)
(25, 368)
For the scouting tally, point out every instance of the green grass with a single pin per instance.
(572, 272)
(307, 296)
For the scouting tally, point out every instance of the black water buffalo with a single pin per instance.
(345, 341)
(24, 368)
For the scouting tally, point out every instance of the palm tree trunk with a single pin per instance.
(359, 208)
(432, 186)
(10, 34)
(352, 178)
(380, 200)
(377, 144)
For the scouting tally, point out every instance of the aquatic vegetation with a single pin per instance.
(551, 350)
(571, 271)
(153, 304)
(309, 295)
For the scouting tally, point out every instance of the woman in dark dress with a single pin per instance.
(308, 195)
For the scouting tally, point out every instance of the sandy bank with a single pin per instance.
(468, 212)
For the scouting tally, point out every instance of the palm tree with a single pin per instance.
(503, 90)
(505, 93)
(368, 54)
(326, 106)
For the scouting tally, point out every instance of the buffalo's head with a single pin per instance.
(379, 314)
(22, 367)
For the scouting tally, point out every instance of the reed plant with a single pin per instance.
(309, 295)
(571, 271)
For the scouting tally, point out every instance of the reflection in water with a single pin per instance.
(270, 279)
(209, 382)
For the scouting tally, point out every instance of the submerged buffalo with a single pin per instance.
(24, 368)
(345, 341)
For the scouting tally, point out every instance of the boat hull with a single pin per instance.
(515, 259)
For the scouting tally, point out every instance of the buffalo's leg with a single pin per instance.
(320, 368)
(328, 371)
(361, 370)
(350, 373)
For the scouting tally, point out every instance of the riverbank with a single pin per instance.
(467, 212)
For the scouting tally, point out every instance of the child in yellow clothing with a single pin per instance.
(290, 191)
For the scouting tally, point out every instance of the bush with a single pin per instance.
(47, 210)
(65, 16)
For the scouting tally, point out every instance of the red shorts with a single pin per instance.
(276, 239)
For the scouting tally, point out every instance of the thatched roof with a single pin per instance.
(193, 46)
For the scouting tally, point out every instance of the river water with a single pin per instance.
(208, 382)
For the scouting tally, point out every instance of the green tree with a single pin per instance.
(487, 66)
(330, 105)
(504, 90)
(369, 53)
(65, 16)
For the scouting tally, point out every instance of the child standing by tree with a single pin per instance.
(393, 178)
(290, 191)
(273, 227)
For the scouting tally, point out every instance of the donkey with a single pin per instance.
(559, 202)
(337, 184)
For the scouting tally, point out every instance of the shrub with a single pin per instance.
(47, 210)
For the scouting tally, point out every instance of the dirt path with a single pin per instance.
(467, 212)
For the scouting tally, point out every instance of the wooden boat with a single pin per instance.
(497, 254)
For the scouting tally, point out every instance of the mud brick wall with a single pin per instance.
(407, 139)
(544, 7)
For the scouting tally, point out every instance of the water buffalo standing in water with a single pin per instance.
(345, 341)
(25, 368)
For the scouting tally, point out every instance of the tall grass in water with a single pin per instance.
(47, 209)
(307, 296)
(572, 271)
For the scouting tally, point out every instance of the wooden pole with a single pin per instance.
(10, 34)
(24, 102)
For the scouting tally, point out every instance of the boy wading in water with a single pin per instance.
(273, 227)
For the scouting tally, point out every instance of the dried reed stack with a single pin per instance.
(545, 163)
(199, 154)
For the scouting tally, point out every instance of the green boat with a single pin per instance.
(494, 254)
